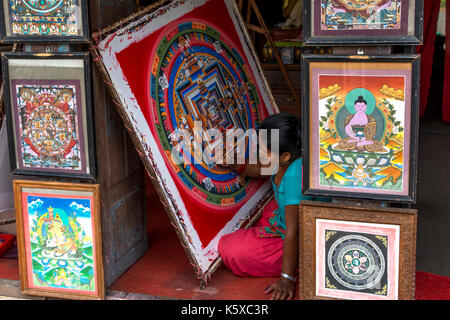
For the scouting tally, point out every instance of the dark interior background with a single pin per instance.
(433, 238)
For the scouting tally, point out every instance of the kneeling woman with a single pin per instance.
(270, 248)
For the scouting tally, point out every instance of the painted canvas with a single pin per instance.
(59, 239)
(49, 124)
(50, 115)
(363, 21)
(361, 127)
(356, 252)
(357, 260)
(364, 14)
(187, 64)
(44, 19)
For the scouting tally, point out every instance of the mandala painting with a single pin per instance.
(361, 127)
(356, 252)
(354, 260)
(191, 64)
(59, 234)
(49, 123)
(201, 78)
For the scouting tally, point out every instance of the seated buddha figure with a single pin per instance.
(360, 129)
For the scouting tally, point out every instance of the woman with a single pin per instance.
(270, 248)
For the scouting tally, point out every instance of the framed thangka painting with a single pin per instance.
(187, 64)
(363, 21)
(361, 127)
(49, 113)
(44, 20)
(354, 252)
(59, 239)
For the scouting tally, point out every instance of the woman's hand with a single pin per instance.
(283, 289)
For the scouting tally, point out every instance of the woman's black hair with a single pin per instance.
(290, 133)
(361, 100)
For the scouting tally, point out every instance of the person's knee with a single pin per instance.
(230, 247)
(223, 246)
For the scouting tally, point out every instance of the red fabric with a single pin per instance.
(431, 14)
(135, 62)
(6, 242)
(446, 97)
(432, 287)
(246, 253)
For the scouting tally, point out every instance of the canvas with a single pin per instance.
(361, 131)
(59, 239)
(187, 62)
(50, 115)
(36, 20)
(356, 252)
(364, 21)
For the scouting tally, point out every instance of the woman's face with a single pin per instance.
(360, 106)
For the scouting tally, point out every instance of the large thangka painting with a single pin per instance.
(361, 132)
(186, 65)
(60, 243)
(359, 21)
(44, 18)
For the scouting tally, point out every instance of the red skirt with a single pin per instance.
(247, 253)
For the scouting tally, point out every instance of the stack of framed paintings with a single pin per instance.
(360, 140)
(50, 135)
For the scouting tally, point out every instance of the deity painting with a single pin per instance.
(363, 21)
(58, 230)
(360, 117)
(49, 125)
(360, 14)
(43, 18)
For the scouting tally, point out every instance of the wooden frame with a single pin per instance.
(142, 137)
(84, 37)
(403, 221)
(49, 191)
(356, 37)
(81, 82)
(370, 70)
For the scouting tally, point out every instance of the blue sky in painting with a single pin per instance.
(40, 205)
